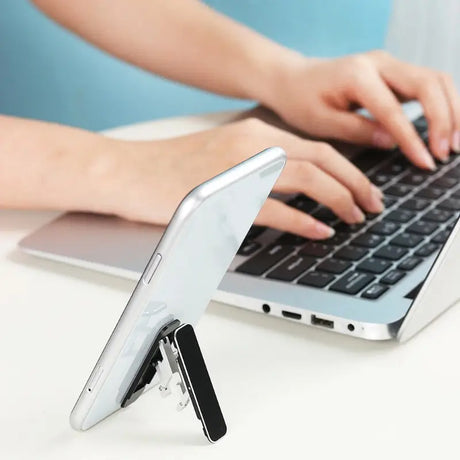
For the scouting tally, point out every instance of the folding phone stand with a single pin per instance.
(176, 357)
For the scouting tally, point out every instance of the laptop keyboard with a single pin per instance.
(366, 260)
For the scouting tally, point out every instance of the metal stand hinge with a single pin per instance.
(170, 380)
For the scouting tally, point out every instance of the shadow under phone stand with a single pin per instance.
(175, 357)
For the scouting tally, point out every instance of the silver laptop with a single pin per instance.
(384, 279)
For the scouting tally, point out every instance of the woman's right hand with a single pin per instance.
(151, 178)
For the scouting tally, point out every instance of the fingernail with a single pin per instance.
(444, 148)
(357, 215)
(427, 159)
(323, 230)
(376, 191)
(376, 204)
(444, 160)
(456, 142)
(383, 140)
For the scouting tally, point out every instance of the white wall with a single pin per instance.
(427, 32)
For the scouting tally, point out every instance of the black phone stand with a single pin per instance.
(176, 358)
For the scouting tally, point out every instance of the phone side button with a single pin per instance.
(151, 268)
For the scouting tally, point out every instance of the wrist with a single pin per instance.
(128, 173)
(278, 74)
(104, 175)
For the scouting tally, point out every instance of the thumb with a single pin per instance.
(354, 128)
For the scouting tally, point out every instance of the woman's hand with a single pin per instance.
(150, 178)
(320, 97)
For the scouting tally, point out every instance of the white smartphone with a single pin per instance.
(185, 269)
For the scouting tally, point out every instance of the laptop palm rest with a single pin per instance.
(96, 241)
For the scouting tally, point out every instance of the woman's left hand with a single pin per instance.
(320, 97)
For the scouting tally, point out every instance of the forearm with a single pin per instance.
(48, 166)
(183, 40)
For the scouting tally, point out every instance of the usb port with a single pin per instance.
(317, 321)
(291, 315)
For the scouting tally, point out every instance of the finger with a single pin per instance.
(367, 195)
(373, 94)
(305, 177)
(354, 128)
(454, 102)
(429, 91)
(427, 87)
(336, 165)
(278, 215)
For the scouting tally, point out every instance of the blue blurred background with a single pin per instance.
(47, 73)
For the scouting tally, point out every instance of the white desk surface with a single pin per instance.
(287, 391)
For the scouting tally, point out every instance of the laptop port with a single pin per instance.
(291, 315)
(317, 321)
(266, 308)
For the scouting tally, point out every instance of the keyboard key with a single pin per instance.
(303, 203)
(400, 215)
(441, 237)
(374, 291)
(249, 248)
(352, 283)
(420, 124)
(388, 202)
(390, 252)
(422, 228)
(454, 172)
(451, 225)
(451, 204)
(424, 135)
(396, 166)
(445, 182)
(456, 194)
(409, 263)
(399, 189)
(413, 178)
(393, 168)
(431, 193)
(415, 204)
(380, 178)
(407, 240)
(337, 239)
(265, 259)
(291, 239)
(373, 265)
(427, 249)
(254, 232)
(383, 228)
(423, 172)
(316, 279)
(401, 159)
(370, 158)
(392, 277)
(292, 268)
(325, 215)
(368, 240)
(315, 249)
(342, 227)
(334, 266)
(437, 215)
(350, 253)
(370, 216)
